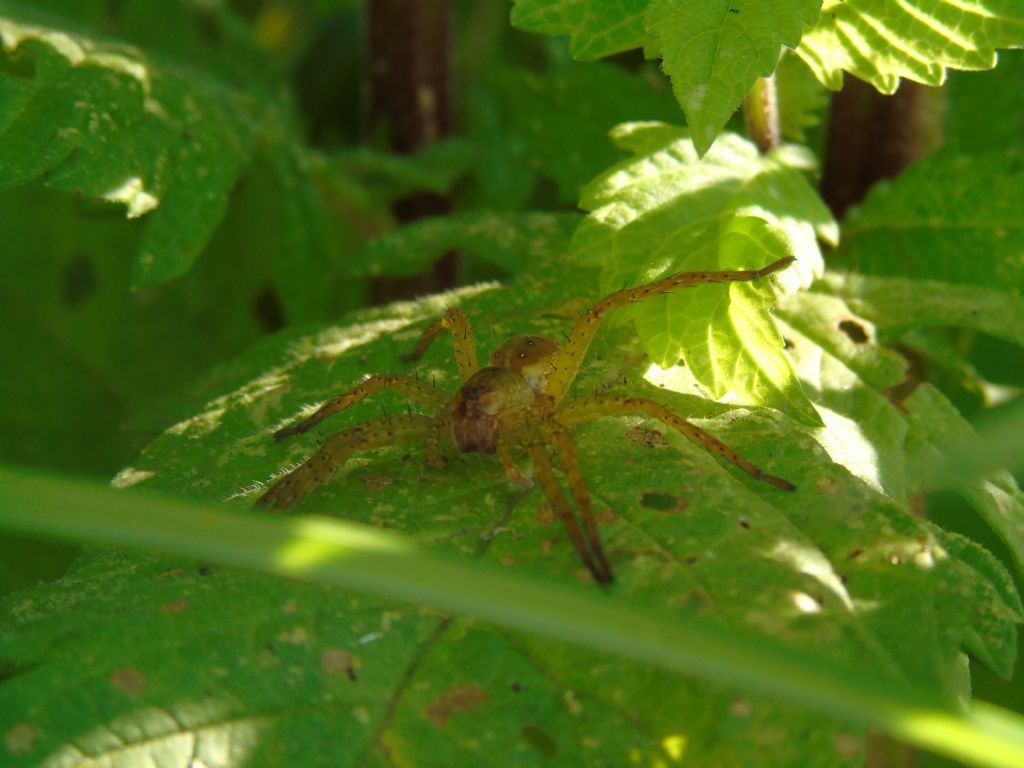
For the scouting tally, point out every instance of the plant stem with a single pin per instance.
(761, 113)
(873, 137)
(408, 71)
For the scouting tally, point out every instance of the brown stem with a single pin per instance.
(408, 66)
(873, 137)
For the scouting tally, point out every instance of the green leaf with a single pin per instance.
(995, 496)
(665, 211)
(887, 443)
(802, 100)
(941, 209)
(716, 574)
(881, 41)
(847, 379)
(978, 117)
(895, 304)
(554, 125)
(595, 29)
(286, 641)
(945, 206)
(386, 177)
(715, 50)
(854, 587)
(510, 241)
(157, 117)
(83, 354)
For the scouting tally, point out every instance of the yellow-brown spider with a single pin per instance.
(517, 400)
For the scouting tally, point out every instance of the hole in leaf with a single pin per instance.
(857, 333)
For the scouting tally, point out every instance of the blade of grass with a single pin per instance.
(335, 552)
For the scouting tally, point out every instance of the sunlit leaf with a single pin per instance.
(665, 210)
(881, 41)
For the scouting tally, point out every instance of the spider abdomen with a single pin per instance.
(492, 400)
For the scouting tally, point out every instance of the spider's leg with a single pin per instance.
(457, 322)
(597, 406)
(513, 472)
(570, 460)
(571, 355)
(418, 391)
(542, 465)
(392, 430)
(438, 428)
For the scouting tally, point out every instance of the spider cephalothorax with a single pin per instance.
(516, 401)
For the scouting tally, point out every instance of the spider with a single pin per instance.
(517, 400)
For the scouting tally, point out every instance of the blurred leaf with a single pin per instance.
(860, 584)
(158, 107)
(595, 30)
(979, 117)
(554, 125)
(665, 210)
(386, 177)
(510, 241)
(897, 303)
(881, 41)
(802, 99)
(84, 353)
(950, 217)
(386, 564)
(24, 563)
(950, 454)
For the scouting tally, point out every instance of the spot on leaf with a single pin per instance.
(827, 486)
(663, 502)
(79, 280)
(462, 698)
(376, 482)
(337, 661)
(540, 741)
(20, 739)
(129, 680)
(647, 438)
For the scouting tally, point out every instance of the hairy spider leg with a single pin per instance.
(457, 322)
(441, 426)
(566, 448)
(377, 433)
(598, 406)
(513, 472)
(570, 357)
(419, 392)
(542, 466)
